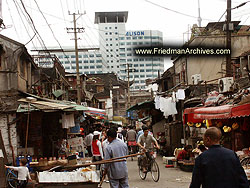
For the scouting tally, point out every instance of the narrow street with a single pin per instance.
(169, 177)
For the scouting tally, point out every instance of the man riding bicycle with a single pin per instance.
(146, 142)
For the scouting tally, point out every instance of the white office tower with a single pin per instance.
(111, 27)
(119, 44)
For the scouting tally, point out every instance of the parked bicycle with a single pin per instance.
(148, 164)
(11, 178)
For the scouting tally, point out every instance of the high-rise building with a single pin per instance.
(116, 51)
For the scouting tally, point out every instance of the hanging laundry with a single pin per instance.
(174, 97)
(68, 121)
(157, 102)
(169, 107)
(180, 94)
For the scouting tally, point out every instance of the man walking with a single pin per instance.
(217, 167)
(88, 142)
(118, 171)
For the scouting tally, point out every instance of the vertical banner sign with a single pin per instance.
(1, 16)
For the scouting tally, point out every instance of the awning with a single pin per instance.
(241, 110)
(142, 105)
(218, 112)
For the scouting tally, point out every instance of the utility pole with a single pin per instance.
(128, 86)
(199, 14)
(228, 38)
(75, 31)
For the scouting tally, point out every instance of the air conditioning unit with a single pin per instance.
(225, 84)
(196, 78)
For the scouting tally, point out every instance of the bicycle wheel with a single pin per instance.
(155, 172)
(12, 179)
(142, 174)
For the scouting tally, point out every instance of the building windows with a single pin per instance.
(107, 55)
(135, 65)
(80, 67)
(129, 54)
(60, 56)
(134, 43)
(80, 61)
(107, 39)
(122, 49)
(107, 44)
(122, 55)
(135, 59)
(98, 55)
(140, 37)
(146, 37)
(80, 56)
(91, 55)
(136, 76)
(122, 43)
(128, 43)
(142, 76)
(85, 56)
(67, 67)
(142, 81)
(73, 67)
(92, 67)
(99, 66)
(141, 59)
(148, 70)
(141, 65)
(110, 33)
(122, 60)
(112, 67)
(92, 61)
(85, 61)
(148, 59)
(117, 66)
(115, 27)
(129, 60)
(137, 81)
(149, 76)
(92, 72)
(140, 43)
(134, 38)
(73, 62)
(148, 65)
(116, 38)
(121, 38)
(155, 37)
(110, 44)
(137, 87)
(129, 49)
(73, 56)
(66, 56)
(98, 61)
(106, 27)
(67, 62)
(86, 67)
(142, 70)
(107, 50)
(123, 71)
(128, 38)
(154, 70)
(117, 50)
(106, 33)
(110, 27)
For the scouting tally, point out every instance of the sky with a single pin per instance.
(51, 18)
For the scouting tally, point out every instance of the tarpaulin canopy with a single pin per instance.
(142, 105)
(217, 112)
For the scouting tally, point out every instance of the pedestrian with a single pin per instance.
(88, 142)
(96, 149)
(117, 171)
(23, 173)
(217, 167)
(124, 132)
(185, 154)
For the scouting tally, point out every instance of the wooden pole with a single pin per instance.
(27, 130)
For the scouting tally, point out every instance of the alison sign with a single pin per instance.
(134, 33)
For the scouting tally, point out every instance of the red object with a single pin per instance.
(182, 155)
(169, 166)
(95, 148)
(132, 143)
(217, 112)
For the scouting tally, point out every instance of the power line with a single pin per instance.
(177, 12)
(12, 20)
(50, 29)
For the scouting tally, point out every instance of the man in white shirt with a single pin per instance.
(88, 142)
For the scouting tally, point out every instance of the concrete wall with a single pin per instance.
(159, 127)
(13, 135)
(212, 67)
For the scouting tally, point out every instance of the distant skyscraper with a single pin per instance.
(116, 51)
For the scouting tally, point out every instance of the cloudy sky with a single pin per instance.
(51, 18)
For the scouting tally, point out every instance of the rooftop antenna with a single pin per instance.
(199, 14)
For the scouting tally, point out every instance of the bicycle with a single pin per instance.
(11, 178)
(132, 148)
(151, 166)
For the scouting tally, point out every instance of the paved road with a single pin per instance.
(169, 177)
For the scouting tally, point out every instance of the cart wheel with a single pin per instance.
(12, 179)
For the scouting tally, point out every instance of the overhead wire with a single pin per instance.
(50, 29)
(12, 19)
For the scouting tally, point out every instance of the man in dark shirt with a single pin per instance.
(217, 167)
